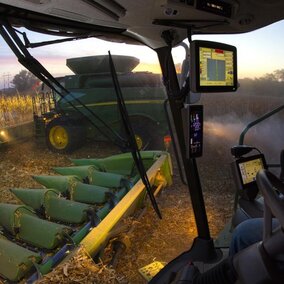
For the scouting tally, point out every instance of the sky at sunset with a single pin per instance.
(259, 52)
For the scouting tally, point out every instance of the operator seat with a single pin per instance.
(265, 258)
(260, 263)
(248, 209)
(251, 208)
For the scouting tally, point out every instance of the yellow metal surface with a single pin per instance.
(128, 102)
(58, 137)
(150, 270)
(139, 141)
(94, 241)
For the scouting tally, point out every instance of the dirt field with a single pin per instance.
(152, 239)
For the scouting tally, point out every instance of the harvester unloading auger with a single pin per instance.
(79, 207)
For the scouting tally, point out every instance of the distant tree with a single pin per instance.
(277, 75)
(24, 81)
(269, 77)
(271, 84)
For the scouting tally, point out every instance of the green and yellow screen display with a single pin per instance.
(249, 170)
(216, 67)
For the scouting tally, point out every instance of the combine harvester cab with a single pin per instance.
(78, 208)
(209, 67)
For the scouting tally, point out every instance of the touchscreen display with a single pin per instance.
(216, 67)
(213, 67)
(249, 169)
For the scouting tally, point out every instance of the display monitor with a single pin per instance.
(193, 128)
(213, 67)
(248, 167)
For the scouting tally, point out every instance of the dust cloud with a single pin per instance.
(223, 132)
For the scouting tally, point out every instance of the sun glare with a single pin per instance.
(148, 67)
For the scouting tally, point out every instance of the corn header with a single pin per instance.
(79, 207)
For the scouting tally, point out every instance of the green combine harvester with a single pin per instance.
(79, 207)
(66, 124)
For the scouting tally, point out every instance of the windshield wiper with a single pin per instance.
(29, 44)
(131, 137)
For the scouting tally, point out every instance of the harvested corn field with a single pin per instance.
(148, 238)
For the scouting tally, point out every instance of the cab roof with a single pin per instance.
(141, 21)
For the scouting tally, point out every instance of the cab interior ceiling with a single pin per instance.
(141, 21)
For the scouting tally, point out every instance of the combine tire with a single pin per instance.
(145, 134)
(63, 136)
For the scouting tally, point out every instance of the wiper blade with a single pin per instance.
(131, 137)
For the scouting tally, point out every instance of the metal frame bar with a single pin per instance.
(190, 166)
(258, 120)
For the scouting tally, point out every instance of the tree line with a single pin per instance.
(271, 84)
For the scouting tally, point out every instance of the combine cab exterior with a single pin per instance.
(66, 127)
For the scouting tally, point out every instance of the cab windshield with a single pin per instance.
(86, 109)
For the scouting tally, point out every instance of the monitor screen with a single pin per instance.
(193, 130)
(248, 168)
(213, 67)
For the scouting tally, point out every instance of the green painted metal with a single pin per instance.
(77, 190)
(166, 170)
(147, 105)
(79, 236)
(9, 214)
(103, 211)
(15, 261)
(23, 223)
(143, 91)
(121, 193)
(81, 171)
(126, 207)
(41, 233)
(33, 197)
(120, 164)
(108, 179)
(68, 211)
(94, 176)
(60, 183)
(88, 193)
(54, 207)
(98, 163)
(27, 228)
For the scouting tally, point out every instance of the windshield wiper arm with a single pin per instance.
(29, 44)
(131, 137)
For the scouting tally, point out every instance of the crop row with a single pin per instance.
(15, 109)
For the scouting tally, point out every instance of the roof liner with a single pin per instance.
(141, 21)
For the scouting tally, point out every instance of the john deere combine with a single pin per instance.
(79, 207)
(66, 124)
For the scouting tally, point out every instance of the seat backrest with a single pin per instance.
(281, 177)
